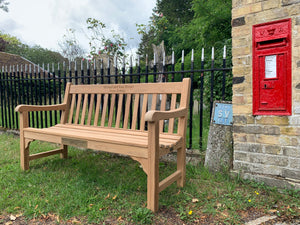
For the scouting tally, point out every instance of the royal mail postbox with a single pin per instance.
(272, 68)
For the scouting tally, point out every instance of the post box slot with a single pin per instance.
(271, 43)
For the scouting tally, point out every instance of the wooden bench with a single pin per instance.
(105, 117)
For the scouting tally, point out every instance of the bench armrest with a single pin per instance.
(35, 108)
(154, 115)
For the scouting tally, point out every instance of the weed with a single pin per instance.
(142, 216)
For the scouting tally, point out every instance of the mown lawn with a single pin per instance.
(91, 187)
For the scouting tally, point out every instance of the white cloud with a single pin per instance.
(45, 22)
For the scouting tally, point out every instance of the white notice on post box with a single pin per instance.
(270, 66)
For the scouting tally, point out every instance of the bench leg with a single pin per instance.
(24, 153)
(181, 163)
(153, 169)
(64, 153)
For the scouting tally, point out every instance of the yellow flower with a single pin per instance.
(249, 200)
(190, 212)
(256, 193)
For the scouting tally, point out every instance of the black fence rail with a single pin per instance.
(35, 85)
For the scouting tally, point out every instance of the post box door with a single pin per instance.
(272, 78)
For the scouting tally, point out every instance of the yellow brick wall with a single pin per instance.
(276, 137)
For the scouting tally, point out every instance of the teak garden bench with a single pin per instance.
(105, 117)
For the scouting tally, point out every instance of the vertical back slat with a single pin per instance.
(111, 109)
(135, 111)
(119, 111)
(154, 99)
(72, 108)
(127, 107)
(171, 121)
(144, 110)
(78, 108)
(104, 110)
(91, 109)
(97, 110)
(162, 108)
(85, 101)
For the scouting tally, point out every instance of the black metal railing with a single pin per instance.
(32, 84)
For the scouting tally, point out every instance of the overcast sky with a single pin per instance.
(44, 22)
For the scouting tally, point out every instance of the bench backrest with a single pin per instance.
(124, 105)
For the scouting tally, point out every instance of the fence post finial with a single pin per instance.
(192, 58)
(154, 59)
(124, 61)
(212, 53)
(173, 58)
(182, 56)
(115, 61)
(202, 55)
(164, 58)
(224, 52)
(130, 61)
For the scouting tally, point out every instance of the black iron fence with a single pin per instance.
(32, 84)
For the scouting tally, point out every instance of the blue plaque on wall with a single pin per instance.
(222, 114)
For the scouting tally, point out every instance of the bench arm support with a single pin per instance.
(36, 108)
(154, 115)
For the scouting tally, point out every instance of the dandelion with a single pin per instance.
(256, 193)
(249, 200)
(190, 212)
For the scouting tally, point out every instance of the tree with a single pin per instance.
(70, 46)
(4, 5)
(35, 54)
(3, 44)
(167, 16)
(177, 12)
(100, 43)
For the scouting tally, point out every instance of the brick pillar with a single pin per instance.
(265, 147)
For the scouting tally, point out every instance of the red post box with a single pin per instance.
(272, 68)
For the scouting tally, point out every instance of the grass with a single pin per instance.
(98, 187)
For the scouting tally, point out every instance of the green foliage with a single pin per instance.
(142, 216)
(100, 42)
(189, 24)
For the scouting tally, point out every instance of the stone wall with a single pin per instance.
(266, 148)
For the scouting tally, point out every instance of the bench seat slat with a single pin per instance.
(105, 135)
(117, 130)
